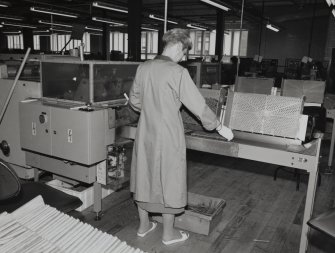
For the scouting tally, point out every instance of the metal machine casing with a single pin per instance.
(62, 132)
(204, 72)
(10, 127)
(83, 82)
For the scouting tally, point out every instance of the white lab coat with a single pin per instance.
(158, 169)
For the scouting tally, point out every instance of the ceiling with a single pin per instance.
(181, 11)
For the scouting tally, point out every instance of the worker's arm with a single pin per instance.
(191, 97)
(135, 93)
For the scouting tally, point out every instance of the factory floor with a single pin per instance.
(261, 215)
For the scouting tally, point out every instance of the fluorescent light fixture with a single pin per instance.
(49, 23)
(3, 5)
(96, 34)
(272, 27)
(109, 7)
(1, 25)
(19, 25)
(59, 30)
(42, 31)
(53, 12)
(215, 4)
(94, 29)
(162, 19)
(333, 11)
(104, 20)
(12, 32)
(329, 2)
(196, 27)
(149, 29)
(11, 18)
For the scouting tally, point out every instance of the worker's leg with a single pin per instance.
(144, 220)
(169, 232)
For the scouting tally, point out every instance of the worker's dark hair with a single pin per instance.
(177, 35)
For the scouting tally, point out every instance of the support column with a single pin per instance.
(3, 41)
(105, 43)
(261, 30)
(220, 25)
(160, 43)
(134, 30)
(45, 43)
(28, 40)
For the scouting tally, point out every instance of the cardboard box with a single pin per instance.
(86, 195)
(195, 218)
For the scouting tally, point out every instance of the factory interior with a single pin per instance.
(266, 68)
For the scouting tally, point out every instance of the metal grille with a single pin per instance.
(264, 114)
(254, 85)
(312, 90)
(212, 98)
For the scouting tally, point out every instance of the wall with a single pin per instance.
(292, 41)
(330, 43)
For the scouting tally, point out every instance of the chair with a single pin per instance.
(14, 194)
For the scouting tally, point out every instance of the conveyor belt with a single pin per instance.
(207, 135)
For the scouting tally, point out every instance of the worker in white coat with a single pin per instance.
(158, 169)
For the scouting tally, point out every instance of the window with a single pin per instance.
(15, 41)
(227, 42)
(149, 44)
(87, 42)
(203, 43)
(37, 42)
(232, 40)
(58, 42)
(198, 42)
(118, 41)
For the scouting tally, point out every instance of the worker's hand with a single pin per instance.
(225, 132)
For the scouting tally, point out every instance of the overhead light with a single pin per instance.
(94, 29)
(11, 17)
(149, 29)
(272, 27)
(1, 25)
(215, 4)
(104, 20)
(329, 2)
(53, 12)
(19, 25)
(42, 31)
(109, 7)
(196, 27)
(161, 19)
(59, 30)
(3, 5)
(49, 23)
(12, 32)
(333, 11)
(96, 34)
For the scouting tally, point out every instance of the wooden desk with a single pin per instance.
(294, 157)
